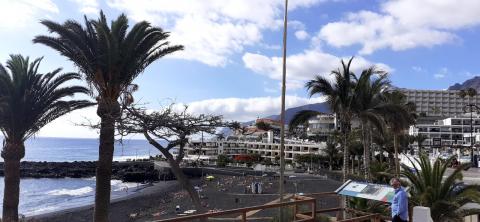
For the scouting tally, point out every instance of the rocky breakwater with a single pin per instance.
(139, 171)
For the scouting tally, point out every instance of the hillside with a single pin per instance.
(470, 83)
(289, 113)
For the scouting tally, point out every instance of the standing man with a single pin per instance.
(399, 203)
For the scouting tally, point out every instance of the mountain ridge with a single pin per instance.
(290, 112)
(469, 83)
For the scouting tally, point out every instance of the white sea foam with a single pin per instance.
(41, 210)
(126, 158)
(115, 182)
(125, 186)
(71, 192)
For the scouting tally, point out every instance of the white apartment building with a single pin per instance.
(266, 148)
(442, 103)
(322, 125)
(453, 131)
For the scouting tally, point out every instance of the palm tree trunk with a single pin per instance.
(343, 203)
(397, 164)
(345, 156)
(353, 164)
(330, 163)
(391, 160)
(359, 165)
(108, 114)
(370, 136)
(12, 153)
(366, 153)
(381, 155)
(419, 148)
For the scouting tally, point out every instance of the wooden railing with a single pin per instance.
(295, 202)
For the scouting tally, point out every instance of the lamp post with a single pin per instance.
(471, 108)
(282, 114)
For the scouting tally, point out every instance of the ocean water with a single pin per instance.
(70, 149)
(45, 195)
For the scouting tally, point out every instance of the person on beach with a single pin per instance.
(400, 202)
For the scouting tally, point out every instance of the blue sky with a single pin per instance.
(231, 64)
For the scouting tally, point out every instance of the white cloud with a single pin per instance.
(441, 73)
(69, 125)
(211, 30)
(239, 109)
(303, 66)
(302, 35)
(20, 13)
(88, 6)
(396, 27)
(470, 74)
(246, 109)
(418, 69)
(437, 14)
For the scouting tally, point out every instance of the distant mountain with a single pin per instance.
(289, 113)
(470, 83)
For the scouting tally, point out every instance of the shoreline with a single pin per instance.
(121, 204)
(224, 192)
(126, 171)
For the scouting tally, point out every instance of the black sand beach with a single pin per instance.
(223, 192)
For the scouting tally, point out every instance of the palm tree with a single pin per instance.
(381, 172)
(470, 92)
(432, 187)
(384, 139)
(110, 58)
(369, 106)
(301, 119)
(356, 151)
(339, 94)
(399, 115)
(29, 101)
(420, 138)
(331, 151)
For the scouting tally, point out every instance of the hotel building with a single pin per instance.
(438, 103)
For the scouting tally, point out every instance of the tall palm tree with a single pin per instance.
(470, 93)
(399, 115)
(110, 58)
(29, 101)
(339, 94)
(369, 106)
(432, 187)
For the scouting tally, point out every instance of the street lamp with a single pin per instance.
(471, 108)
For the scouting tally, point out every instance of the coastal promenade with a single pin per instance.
(471, 176)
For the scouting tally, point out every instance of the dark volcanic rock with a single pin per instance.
(125, 171)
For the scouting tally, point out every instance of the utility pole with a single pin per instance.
(282, 114)
(471, 107)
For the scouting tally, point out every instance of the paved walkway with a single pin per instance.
(471, 176)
